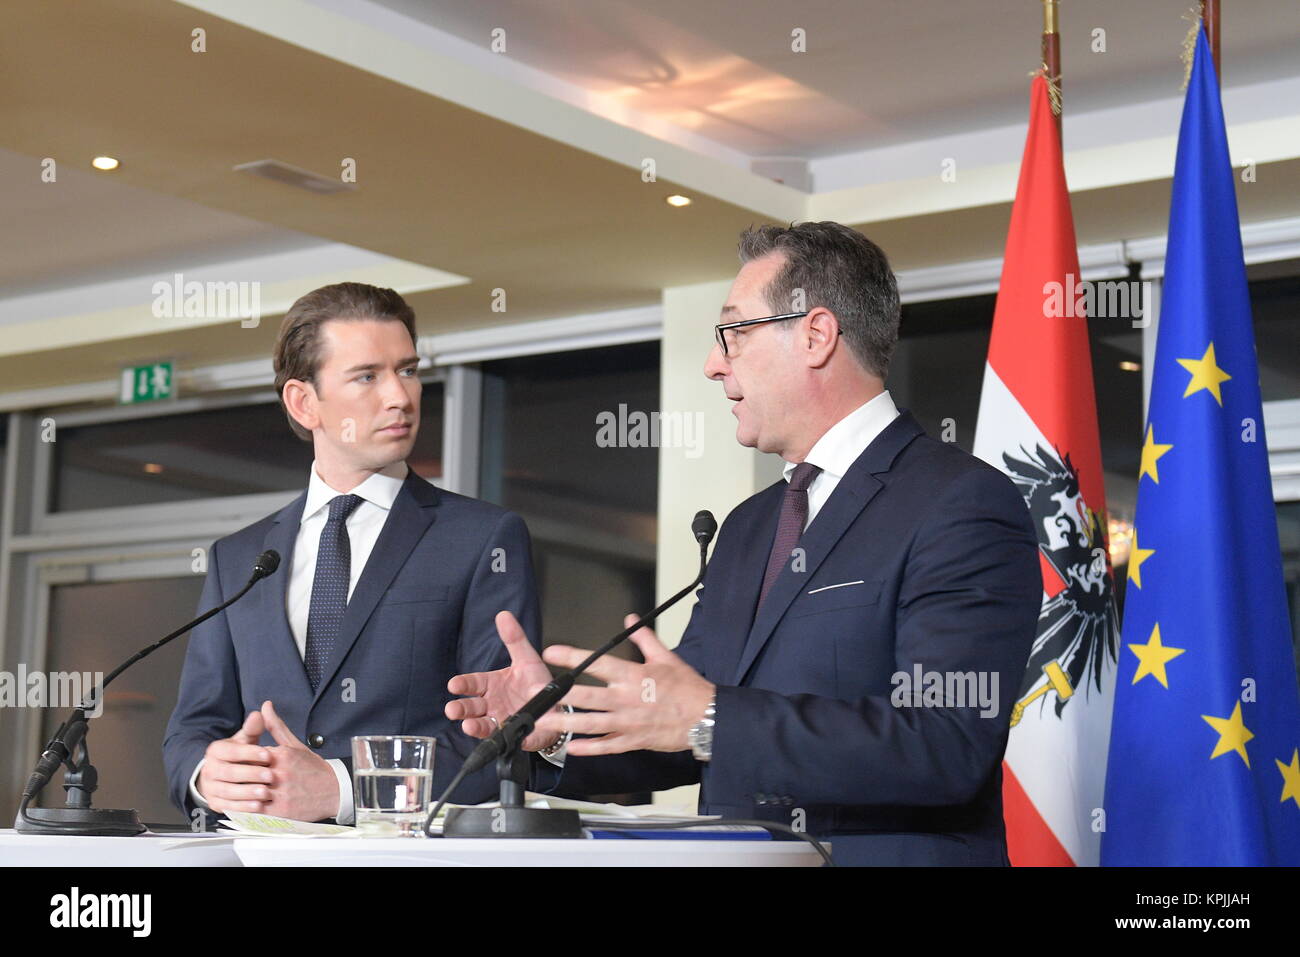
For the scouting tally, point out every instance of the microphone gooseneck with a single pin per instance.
(73, 730)
(510, 735)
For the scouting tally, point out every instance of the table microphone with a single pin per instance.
(81, 779)
(504, 743)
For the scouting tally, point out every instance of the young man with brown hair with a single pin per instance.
(387, 587)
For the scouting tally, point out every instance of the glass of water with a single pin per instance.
(392, 777)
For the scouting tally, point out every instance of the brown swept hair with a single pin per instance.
(298, 345)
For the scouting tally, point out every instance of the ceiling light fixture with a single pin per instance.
(281, 172)
(104, 163)
(678, 200)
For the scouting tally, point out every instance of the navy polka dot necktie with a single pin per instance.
(329, 589)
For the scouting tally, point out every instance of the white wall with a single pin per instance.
(723, 473)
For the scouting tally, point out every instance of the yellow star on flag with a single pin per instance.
(1233, 734)
(1153, 656)
(1205, 375)
(1291, 778)
(1136, 557)
(1151, 452)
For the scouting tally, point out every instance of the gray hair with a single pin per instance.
(839, 269)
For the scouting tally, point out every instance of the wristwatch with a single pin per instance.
(563, 741)
(700, 736)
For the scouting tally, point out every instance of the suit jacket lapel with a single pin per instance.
(858, 487)
(741, 584)
(410, 516)
(282, 537)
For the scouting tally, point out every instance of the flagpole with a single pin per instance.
(1210, 17)
(1052, 58)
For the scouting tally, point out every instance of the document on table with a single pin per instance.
(242, 824)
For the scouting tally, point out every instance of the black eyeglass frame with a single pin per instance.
(723, 326)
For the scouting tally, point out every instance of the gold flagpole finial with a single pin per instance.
(1049, 16)
(1052, 55)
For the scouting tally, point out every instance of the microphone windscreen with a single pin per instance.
(704, 527)
(266, 563)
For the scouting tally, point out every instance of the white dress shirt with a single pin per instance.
(364, 525)
(840, 447)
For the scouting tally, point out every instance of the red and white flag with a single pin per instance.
(1038, 424)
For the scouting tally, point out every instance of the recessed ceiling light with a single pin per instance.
(678, 200)
(104, 162)
(1128, 366)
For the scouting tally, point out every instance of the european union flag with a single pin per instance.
(1204, 763)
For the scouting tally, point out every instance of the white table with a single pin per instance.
(519, 852)
(187, 850)
(143, 850)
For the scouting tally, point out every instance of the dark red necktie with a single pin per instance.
(794, 513)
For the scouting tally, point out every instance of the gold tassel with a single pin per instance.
(1053, 87)
(1189, 44)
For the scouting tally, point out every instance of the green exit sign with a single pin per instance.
(147, 383)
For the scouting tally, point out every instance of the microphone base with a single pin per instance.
(88, 821)
(512, 822)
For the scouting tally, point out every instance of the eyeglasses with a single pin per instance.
(721, 328)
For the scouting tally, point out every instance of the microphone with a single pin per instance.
(78, 817)
(505, 741)
(704, 527)
(266, 564)
(520, 724)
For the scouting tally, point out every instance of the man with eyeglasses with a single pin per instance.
(826, 679)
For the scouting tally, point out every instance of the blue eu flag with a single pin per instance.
(1204, 767)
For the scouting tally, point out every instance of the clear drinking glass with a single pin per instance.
(392, 777)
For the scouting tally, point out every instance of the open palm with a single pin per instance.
(492, 696)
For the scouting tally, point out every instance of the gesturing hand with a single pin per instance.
(649, 706)
(495, 695)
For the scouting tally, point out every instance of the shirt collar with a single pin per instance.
(379, 490)
(844, 441)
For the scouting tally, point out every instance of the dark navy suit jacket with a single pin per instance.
(422, 611)
(946, 562)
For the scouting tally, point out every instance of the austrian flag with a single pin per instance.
(1038, 424)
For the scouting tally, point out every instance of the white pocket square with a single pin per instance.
(840, 585)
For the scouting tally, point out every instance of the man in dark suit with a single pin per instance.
(387, 586)
(850, 664)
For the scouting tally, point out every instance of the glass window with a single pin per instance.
(1288, 529)
(1275, 309)
(426, 455)
(590, 498)
(94, 627)
(938, 366)
(590, 504)
(214, 453)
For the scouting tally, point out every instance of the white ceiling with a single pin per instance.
(91, 226)
(876, 72)
(538, 148)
